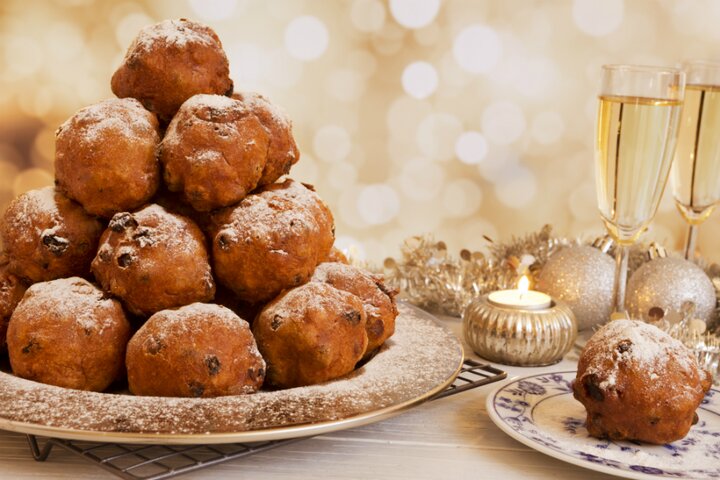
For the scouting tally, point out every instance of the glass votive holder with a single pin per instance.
(518, 336)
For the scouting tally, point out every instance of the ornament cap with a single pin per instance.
(655, 250)
(604, 243)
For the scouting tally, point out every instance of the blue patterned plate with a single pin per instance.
(540, 412)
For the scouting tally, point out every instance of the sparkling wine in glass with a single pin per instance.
(696, 168)
(637, 128)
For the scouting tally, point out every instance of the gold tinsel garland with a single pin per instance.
(431, 278)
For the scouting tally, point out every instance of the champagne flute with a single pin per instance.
(638, 119)
(695, 176)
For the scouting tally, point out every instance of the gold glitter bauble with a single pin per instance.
(582, 277)
(668, 283)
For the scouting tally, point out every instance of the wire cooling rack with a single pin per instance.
(156, 462)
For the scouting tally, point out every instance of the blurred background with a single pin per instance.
(461, 118)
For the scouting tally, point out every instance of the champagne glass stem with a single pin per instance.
(690, 242)
(621, 266)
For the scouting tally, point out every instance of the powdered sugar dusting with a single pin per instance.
(420, 357)
(222, 107)
(647, 348)
(161, 228)
(218, 102)
(310, 297)
(284, 210)
(109, 118)
(70, 299)
(191, 317)
(24, 213)
(172, 32)
(256, 102)
(207, 156)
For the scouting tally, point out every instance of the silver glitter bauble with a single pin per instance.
(582, 277)
(668, 283)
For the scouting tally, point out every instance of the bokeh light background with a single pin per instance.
(464, 118)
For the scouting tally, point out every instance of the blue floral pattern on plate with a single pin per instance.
(541, 412)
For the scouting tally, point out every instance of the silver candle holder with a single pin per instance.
(518, 335)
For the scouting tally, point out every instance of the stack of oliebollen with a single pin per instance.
(168, 198)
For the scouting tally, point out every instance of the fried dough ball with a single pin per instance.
(638, 383)
(282, 152)
(214, 152)
(271, 240)
(378, 300)
(200, 350)
(311, 334)
(336, 255)
(153, 260)
(11, 292)
(169, 62)
(68, 333)
(105, 156)
(47, 236)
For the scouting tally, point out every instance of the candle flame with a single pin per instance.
(524, 284)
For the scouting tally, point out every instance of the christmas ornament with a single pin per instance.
(669, 283)
(582, 277)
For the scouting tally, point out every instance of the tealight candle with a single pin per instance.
(519, 327)
(521, 298)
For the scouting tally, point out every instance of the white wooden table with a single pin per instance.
(450, 438)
